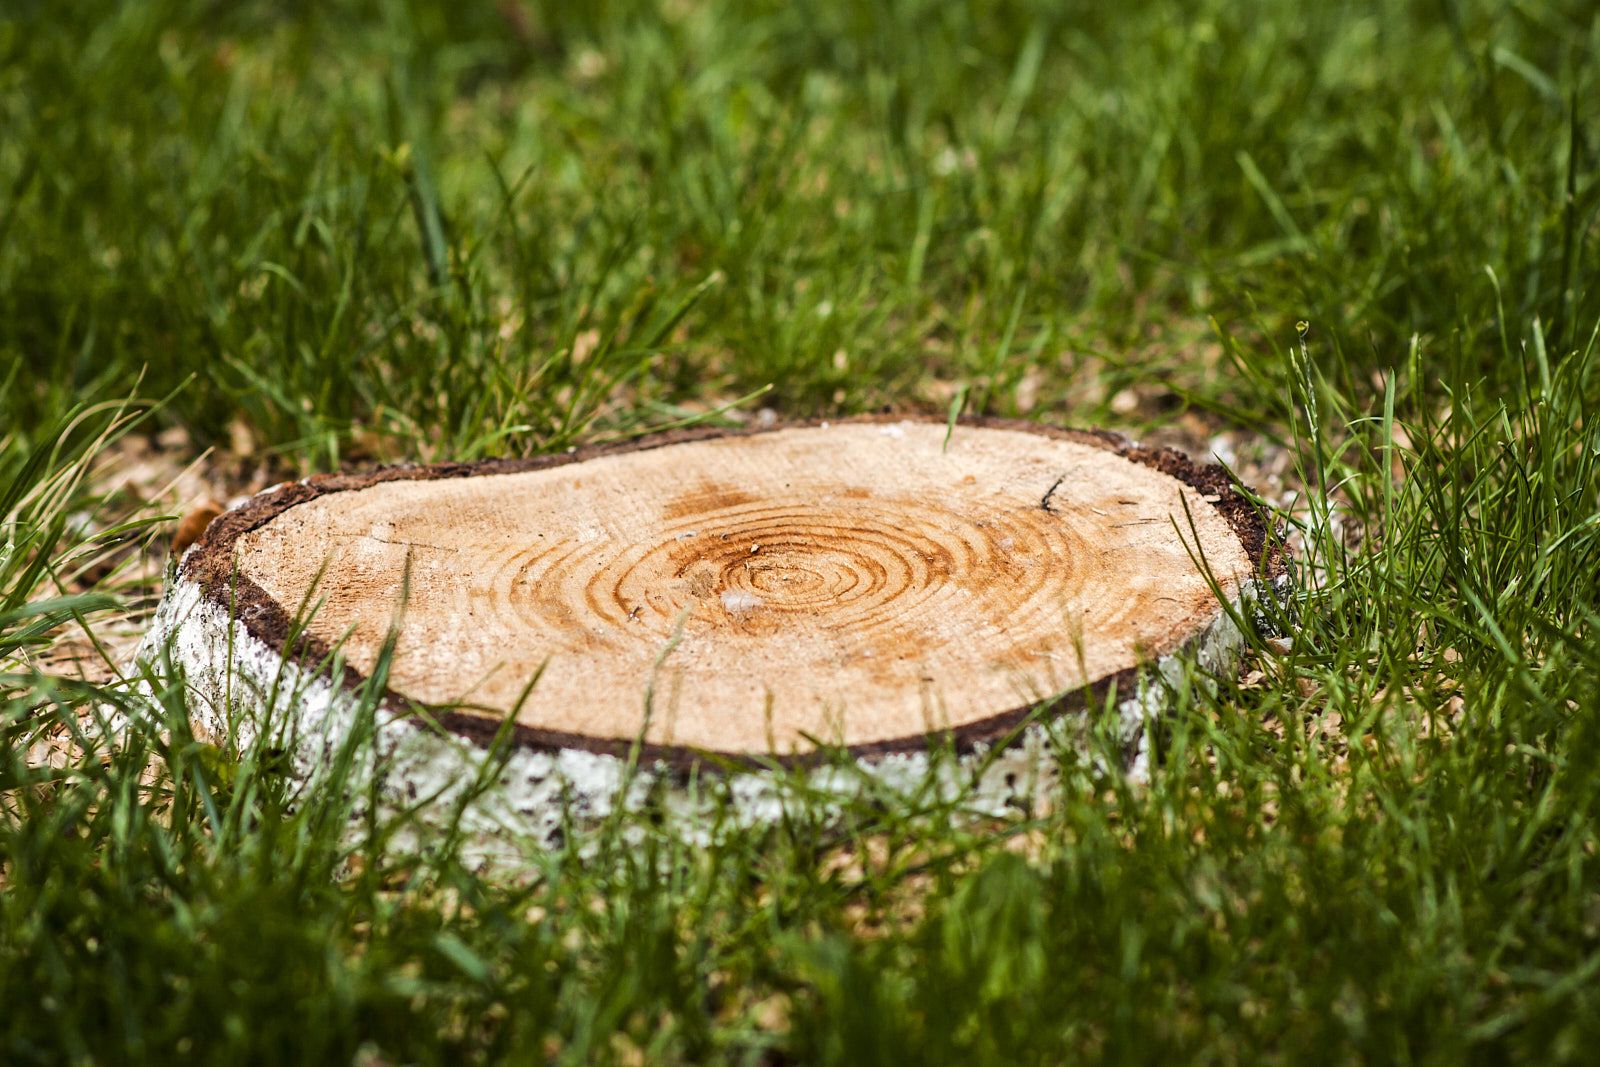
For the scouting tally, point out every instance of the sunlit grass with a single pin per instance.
(357, 232)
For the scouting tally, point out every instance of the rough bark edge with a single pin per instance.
(209, 565)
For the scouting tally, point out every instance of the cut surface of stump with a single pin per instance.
(864, 583)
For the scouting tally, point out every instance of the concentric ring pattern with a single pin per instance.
(861, 583)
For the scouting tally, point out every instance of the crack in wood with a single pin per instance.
(397, 544)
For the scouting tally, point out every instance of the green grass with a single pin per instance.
(364, 231)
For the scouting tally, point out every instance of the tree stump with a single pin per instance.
(865, 586)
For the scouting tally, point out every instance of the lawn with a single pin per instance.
(1349, 248)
